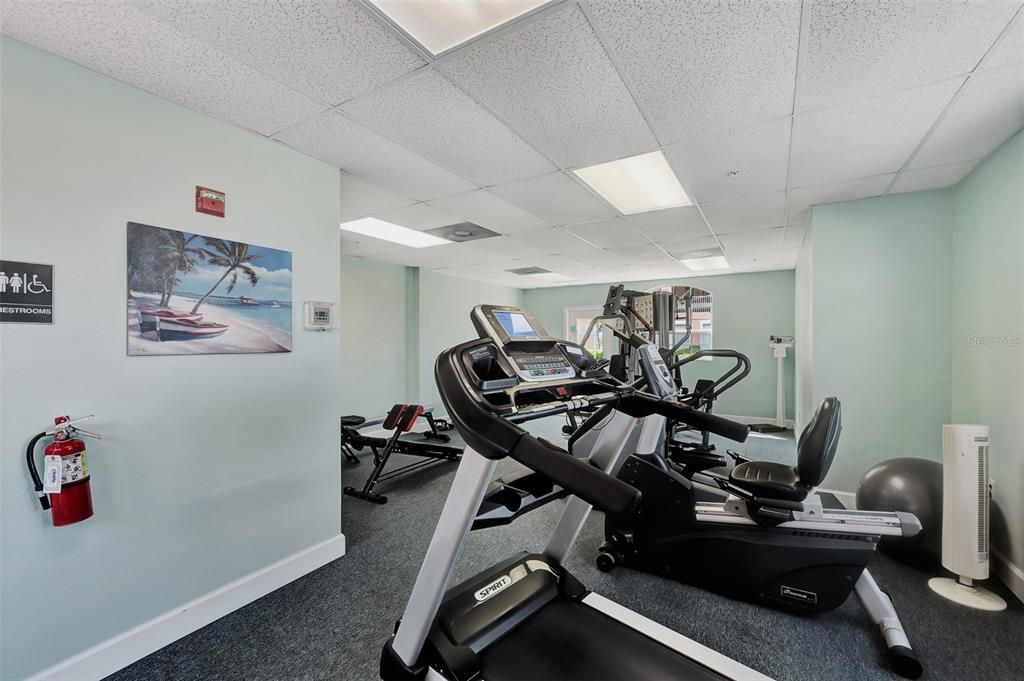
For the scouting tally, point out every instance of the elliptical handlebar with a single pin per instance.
(723, 382)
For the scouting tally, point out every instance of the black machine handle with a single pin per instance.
(742, 366)
(589, 483)
(641, 405)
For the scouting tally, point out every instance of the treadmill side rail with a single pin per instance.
(687, 647)
(460, 508)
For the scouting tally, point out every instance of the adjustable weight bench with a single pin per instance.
(400, 419)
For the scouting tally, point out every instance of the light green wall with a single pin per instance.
(374, 332)
(210, 467)
(748, 308)
(881, 321)
(988, 336)
(445, 305)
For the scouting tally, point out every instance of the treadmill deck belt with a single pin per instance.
(569, 641)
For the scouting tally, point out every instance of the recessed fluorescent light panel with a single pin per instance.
(636, 184)
(378, 229)
(715, 262)
(440, 25)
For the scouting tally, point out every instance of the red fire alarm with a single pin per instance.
(210, 201)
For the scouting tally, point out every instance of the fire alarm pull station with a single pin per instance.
(319, 315)
(210, 201)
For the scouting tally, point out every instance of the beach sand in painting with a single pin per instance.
(243, 335)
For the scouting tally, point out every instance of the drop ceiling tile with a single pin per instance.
(598, 260)
(859, 50)
(754, 241)
(699, 67)
(757, 212)
(794, 236)
(418, 216)
(552, 241)
(487, 210)
(326, 49)
(931, 178)
(803, 198)
(687, 247)
(1010, 49)
(608, 233)
(121, 41)
(427, 114)
(494, 250)
(670, 224)
(867, 138)
(553, 83)
(639, 254)
(556, 198)
(444, 255)
(668, 269)
(342, 142)
(759, 155)
(364, 246)
(785, 259)
(988, 111)
(359, 199)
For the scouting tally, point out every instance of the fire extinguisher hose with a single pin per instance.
(37, 482)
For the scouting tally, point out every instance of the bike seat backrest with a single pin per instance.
(817, 445)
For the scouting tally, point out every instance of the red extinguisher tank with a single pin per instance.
(73, 502)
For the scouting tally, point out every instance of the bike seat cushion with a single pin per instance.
(352, 421)
(769, 479)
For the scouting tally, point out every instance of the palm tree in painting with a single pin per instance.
(178, 257)
(235, 258)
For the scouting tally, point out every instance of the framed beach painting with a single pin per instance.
(190, 294)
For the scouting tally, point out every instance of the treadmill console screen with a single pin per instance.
(516, 324)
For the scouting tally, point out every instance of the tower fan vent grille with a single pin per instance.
(983, 502)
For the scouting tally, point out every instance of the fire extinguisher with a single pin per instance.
(64, 487)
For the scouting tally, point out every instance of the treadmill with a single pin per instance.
(527, 618)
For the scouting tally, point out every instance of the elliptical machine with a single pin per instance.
(767, 539)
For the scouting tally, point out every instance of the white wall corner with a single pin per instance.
(118, 652)
(1011, 575)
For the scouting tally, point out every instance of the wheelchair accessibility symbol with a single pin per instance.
(36, 286)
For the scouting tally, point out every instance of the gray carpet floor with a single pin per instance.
(331, 623)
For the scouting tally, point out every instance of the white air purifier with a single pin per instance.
(965, 508)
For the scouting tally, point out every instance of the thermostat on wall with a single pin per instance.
(319, 315)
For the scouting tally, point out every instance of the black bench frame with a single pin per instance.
(401, 419)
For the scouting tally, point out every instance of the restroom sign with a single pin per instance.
(26, 292)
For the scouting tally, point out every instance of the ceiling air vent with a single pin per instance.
(463, 231)
(522, 271)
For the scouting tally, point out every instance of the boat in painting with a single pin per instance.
(188, 329)
(148, 316)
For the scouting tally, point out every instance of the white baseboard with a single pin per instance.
(750, 420)
(1011, 575)
(120, 651)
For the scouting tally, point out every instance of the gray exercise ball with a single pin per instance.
(914, 486)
